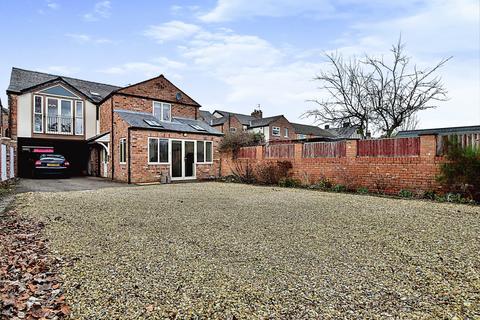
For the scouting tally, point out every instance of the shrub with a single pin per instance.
(429, 195)
(362, 190)
(273, 172)
(243, 171)
(232, 142)
(322, 184)
(339, 188)
(461, 173)
(405, 193)
(289, 183)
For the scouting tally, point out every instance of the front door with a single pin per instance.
(183, 159)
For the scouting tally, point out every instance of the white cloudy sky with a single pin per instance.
(235, 54)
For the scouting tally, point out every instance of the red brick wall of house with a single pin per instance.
(105, 115)
(232, 122)
(5, 123)
(141, 171)
(385, 174)
(282, 123)
(158, 88)
(12, 106)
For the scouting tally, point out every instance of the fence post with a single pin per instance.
(428, 145)
(259, 152)
(351, 146)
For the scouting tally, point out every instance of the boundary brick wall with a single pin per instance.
(388, 174)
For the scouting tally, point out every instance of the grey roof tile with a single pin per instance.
(137, 120)
(21, 79)
(439, 131)
(311, 130)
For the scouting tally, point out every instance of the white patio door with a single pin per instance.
(182, 164)
(103, 163)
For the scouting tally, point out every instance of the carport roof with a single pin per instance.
(141, 119)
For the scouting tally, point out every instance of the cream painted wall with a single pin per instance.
(24, 115)
(264, 130)
(90, 120)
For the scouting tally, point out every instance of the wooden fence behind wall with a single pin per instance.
(247, 153)
(465, 140)
(280, 151)
(397, 147)
(324, 149)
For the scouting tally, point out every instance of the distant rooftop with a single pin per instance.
(439, 131)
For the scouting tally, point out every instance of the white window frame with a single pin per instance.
(123, 151)
(36, 113)
(158, 150)
(59, 114)
(233, 129)
(286, 133)
(204, 160)
(278, 134)
(162, 105)
(76, 116)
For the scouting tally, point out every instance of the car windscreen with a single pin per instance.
(57, 156)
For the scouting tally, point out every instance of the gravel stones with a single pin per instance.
(217, 250)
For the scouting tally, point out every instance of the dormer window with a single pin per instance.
(162, 111)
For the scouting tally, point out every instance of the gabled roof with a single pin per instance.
(22, 80)
(263, 122)
(137, 120)
(243, 118)
(311, 130)
(169, 91)
(439, 131)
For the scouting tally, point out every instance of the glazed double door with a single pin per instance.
(183, 159)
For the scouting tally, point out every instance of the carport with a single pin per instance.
(29, 150)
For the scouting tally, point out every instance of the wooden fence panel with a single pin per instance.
(324, 149)
(465, 140)
(247, 153)
(396, 147)
(280, 151)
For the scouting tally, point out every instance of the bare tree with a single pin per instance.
(374, 92)
(347, 101)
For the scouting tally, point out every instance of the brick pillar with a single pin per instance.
(351, 146)
(428, 146)
(298, 150)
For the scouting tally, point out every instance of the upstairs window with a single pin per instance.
(78, 117)
(286, 132)
(276, 131)
(38, 114)
(162, 111)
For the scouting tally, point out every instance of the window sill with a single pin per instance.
(157, 163)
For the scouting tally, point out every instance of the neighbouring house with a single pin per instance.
(305, 131)
(146, 132)
(346, 131)
(4, 131)
(272, 128)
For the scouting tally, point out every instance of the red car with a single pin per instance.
(51, 164)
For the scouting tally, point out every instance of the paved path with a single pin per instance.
(68, 184)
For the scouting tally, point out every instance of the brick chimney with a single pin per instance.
(257, 113)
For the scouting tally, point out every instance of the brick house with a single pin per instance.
(273, 128)
(141, 133)
(4, 131)
(305, 131)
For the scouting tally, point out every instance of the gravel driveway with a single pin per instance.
(217, 250)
